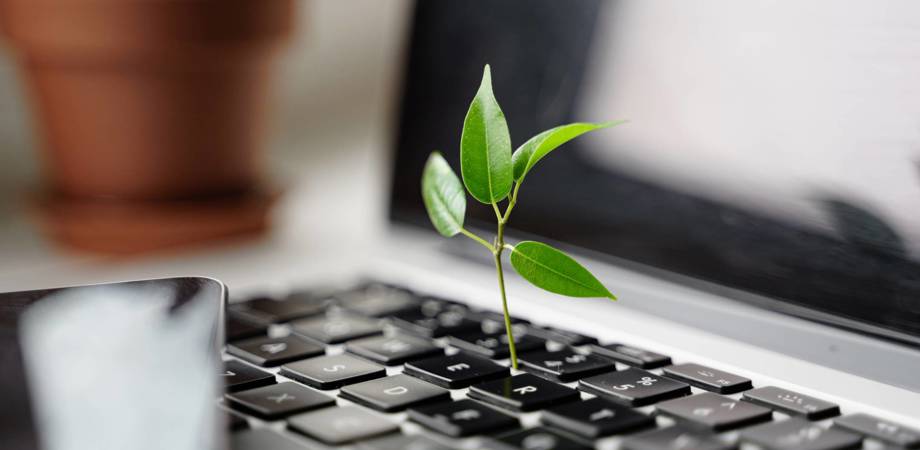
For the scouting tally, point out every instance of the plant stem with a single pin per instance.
(512, 200)
(498, 247)
(501, 287)
(478, 239)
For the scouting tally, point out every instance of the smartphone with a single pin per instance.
(105, 358)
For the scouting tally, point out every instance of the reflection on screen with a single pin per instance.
(784, 109)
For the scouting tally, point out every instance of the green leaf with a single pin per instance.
(485, 147)
(443, 195)
(554, 271)
(532, 151)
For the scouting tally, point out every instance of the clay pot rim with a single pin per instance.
(47, 198)
(131, 227)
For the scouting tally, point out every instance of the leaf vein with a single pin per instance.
(550, 269)
(443, 203)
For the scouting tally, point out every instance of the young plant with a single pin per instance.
(492, 174)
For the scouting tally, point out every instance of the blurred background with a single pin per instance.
(794, 122)
(330, 112)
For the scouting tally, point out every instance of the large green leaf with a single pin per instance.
(529, 153)
(554, 271)
(485, 147)
(443, 196)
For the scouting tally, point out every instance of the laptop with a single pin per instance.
(787, 320)
(755, 310)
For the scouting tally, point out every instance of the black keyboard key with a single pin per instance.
(238, 376)
(708, 378)
(439, 325)
(341, 425)
(596, 418)
(278, 400)
(562, 336)
(263, 439)
(634, 387)
(497, 318)
(269, 352)
(675, 438)
(495, 345)
(378, 300)
(631, 356)
(792, 403)
(461, 418)
(881, 429)
(393, 393)
(431, 307)
(456, 371)
(542, 439)
(267, 310)
(800, 434)
(523, 392)
(393, 350)
(565, 365)
(493, 321)
(336, 328)
(236, 328)
(714, 412)
(332, 372)
(403, 442)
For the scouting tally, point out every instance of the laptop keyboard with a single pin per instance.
(382, 367)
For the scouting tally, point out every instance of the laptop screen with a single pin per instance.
(775, 151)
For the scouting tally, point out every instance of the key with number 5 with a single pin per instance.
(634, 387)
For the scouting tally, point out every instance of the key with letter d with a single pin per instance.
(393, 393)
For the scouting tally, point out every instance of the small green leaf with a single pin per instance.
(443, 195)
(485, 146)
(532, 151)
(554, 271)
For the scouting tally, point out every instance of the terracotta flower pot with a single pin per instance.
(149, 109)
